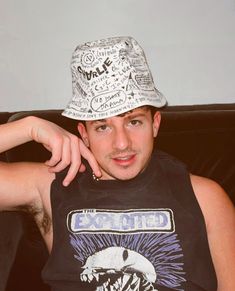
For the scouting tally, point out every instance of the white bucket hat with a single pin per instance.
(110, 77)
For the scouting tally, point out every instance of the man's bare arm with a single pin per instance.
(219, 214)
(65, 147)
(20, 185)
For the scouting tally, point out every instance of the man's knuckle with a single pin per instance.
(66, 161)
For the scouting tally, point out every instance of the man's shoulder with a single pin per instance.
(36, 176)
(212, 198)
(208, 190)
(206, 187)
(39, 176)
(23, 184)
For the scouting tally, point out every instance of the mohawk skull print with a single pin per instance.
(118, 268)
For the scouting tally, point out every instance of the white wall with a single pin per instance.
(190, 45)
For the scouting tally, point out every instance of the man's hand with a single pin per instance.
(65, 147)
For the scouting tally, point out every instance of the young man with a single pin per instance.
(143, 222)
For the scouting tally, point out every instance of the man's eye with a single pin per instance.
(135, 122)
(101, 127)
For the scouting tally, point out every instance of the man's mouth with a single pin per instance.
(126, 160)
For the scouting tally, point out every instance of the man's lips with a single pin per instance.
(125, 160)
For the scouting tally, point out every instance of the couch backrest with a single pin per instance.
(202, 136)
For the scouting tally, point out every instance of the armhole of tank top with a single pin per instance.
(181, 185)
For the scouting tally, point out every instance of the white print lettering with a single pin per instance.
(90, 220)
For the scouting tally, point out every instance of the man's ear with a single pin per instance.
(156, 122)
(83, 133)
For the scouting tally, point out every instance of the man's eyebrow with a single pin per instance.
(98, 121)
(126, 115)
(135, 115)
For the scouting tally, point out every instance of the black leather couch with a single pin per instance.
(203, 136)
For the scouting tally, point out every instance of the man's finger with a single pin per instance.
(75, 162)
(65, 158)
(86, 153)
(56, 153)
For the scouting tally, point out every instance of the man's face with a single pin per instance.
(122, 145)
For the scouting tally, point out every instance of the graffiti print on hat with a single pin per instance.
(110, 77)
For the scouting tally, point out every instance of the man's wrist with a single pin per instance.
(29, 125)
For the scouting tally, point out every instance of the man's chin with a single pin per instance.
(123, 175)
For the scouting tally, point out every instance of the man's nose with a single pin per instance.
(121, 139)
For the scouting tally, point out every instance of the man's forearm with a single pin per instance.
(15, 133)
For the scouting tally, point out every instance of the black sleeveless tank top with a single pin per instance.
(147, 233)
